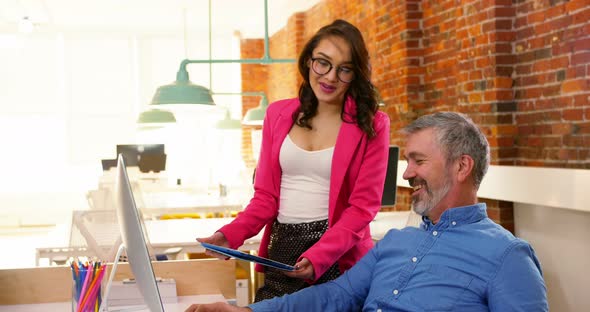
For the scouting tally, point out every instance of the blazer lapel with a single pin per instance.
(349, 137)
(281, 129)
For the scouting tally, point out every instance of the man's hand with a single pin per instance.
(303, 270)
(216, 307)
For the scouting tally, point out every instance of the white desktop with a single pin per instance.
(183, 303)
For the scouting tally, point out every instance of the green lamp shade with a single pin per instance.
(156, 116)
(182, 92)
(255, 116)
(227, 123)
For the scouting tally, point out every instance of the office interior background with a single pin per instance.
(75, 77)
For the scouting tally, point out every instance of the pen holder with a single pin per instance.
(86, 290)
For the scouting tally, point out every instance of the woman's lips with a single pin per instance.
(327, 88)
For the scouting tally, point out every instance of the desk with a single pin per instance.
(159, 203)
(183, 303)
(163, 235)
(53, 284)
(182, 233)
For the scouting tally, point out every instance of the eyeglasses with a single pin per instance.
(322, 66)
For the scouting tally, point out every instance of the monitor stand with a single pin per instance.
(104, 304)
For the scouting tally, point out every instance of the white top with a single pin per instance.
(305, 183)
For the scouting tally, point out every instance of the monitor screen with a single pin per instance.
(108, 164)
(390, 189)
(148, 157)
(133, 238)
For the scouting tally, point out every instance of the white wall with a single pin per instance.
(69, 98)
(560, 239)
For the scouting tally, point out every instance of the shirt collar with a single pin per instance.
(458, 216)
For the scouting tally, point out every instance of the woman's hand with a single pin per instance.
(215, 307)
(216, 239)
(303, 270)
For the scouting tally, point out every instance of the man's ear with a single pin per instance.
(466, 164)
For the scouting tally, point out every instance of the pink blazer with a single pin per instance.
(356, 185)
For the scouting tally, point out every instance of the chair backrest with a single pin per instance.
(414, 219)
(98, 231)
(390, 188)
(100, 199)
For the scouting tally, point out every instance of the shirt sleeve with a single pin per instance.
(346, 293)
(519, 284)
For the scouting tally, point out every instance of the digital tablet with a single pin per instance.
(248, 257)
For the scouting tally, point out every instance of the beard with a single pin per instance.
(425, 202)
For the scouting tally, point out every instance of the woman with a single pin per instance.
(320, 175)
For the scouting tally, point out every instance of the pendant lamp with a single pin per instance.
(156, 116)
(182, 91)
(255, 116)
(227, 123)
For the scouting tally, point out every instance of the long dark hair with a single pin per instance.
(361, 89)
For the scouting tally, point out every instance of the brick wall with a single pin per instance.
(254, 79)
(551, 85)
(519, 68)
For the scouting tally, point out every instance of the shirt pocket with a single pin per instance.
(441, 287)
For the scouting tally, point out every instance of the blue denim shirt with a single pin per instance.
(465, 262)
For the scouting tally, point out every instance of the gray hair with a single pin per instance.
(457, 135)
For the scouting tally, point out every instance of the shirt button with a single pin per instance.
(395, 292)
(414, 259)
(378, 310)
(454, 223)
(434, 233)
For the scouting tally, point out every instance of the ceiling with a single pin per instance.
(150, 16)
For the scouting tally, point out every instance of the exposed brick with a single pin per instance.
(505, 107)
(583, 128)
(507, 130)
(561, 129)
(503, 82)
(505, 119)
(523, 69)
(581, 16)
(573, 114)
(581, 58)
(508, 225)
(505, 71)
(499, 95)
(479, 85)
(551, 90)
(562, 102)
(581, 45)
(576, 5)
(582, 100)
(575, 86)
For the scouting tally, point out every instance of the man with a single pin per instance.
(457, 260)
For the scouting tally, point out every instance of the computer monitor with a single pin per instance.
(133, 239)
(148, 157)
(390, 189)
(107, 164)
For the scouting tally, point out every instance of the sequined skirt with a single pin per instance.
(287, 243)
